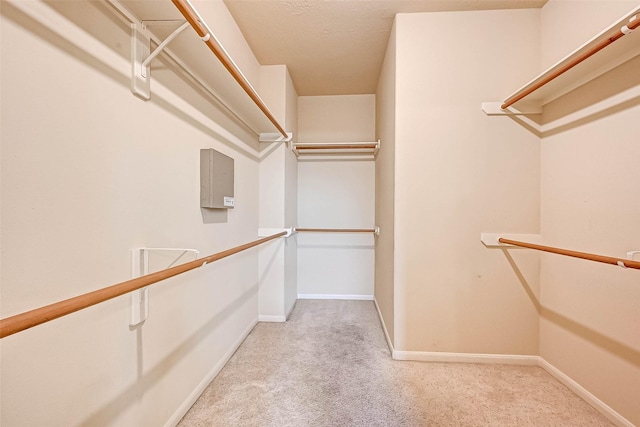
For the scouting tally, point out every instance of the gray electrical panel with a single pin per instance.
(216, 179)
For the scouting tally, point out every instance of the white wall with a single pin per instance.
(385, 181)
(593, 15)
(458, 174)
(89, 172)
(336, 194)
(590, 175)
(340, 118)
(272, 258)
(291, 198)
(278, 200)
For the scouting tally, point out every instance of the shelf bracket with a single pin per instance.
(631, 254)
(490, 240)
(275, 137)
(493, 109)
(141, 57)
(266, 232)
(140, 267)
(375, 153)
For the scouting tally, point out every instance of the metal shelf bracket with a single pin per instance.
(140, 267)
(141, 57)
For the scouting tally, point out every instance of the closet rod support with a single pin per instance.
(141, 57)
(626, 30)
(162, 45)
(632, 254)
(140, 267)
(495, 109)
(275, 137)
(264, 232)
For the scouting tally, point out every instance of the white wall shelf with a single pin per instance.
(577, 68)
(336, 150)
(193, 55)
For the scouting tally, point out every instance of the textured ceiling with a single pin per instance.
(335, 47)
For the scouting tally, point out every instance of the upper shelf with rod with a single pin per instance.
(610, 48)
(193, 48)
(333, 150)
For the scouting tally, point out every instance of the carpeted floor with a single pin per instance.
(329, 365)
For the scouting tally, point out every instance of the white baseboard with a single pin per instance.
(437, 356)
(592, 400)
(271, 319)
(384, 327)
(572, 385)
(195, 394)
(290, 310)
(336, 296)
(505, 359)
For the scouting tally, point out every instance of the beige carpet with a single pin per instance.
(329, 365)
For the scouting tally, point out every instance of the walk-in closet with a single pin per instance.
(306, 212)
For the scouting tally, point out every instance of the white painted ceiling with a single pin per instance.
(335, 47)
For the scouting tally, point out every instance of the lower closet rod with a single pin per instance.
(582, 255)
(336, 230)
(29, 319)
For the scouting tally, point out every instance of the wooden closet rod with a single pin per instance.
(334, 146)
(203, 31)
(583, 255)
(336, 230)
(569, 65)
(29, 319)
